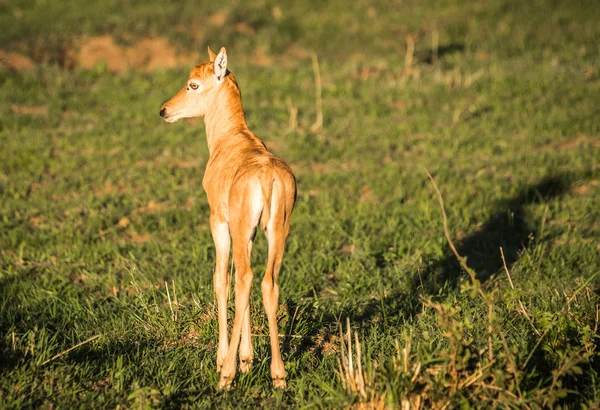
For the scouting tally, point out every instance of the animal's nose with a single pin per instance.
(162, 112)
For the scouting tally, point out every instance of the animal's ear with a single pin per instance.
(221, 64)
(211, 54)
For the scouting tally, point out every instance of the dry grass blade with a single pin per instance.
(344, 361)
(352, 376)
(318, 125)
(360, 380)
(69, 349)
(460, 259)
(523, 311)
(475, 376)
(293, 112)
(293, 320)
(595, 321)
(350, 367)
(524, 365)
(410, 52)
(173, 318)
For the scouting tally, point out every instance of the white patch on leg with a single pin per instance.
(275, 195)
(221, 236)
(256, 203)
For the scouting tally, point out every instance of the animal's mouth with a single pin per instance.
(170, 119)
(167, 116)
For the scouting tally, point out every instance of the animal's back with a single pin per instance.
(276, 179)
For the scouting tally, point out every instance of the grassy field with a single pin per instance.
(104, 223)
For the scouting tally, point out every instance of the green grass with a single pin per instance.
(101, 204)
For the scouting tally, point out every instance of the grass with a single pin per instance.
(102, 208)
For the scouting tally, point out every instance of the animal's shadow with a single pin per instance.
(431, 56)
(509, 227)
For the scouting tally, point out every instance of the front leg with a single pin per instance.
(246, 349)
(221, 238)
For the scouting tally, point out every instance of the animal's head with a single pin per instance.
(199, 91)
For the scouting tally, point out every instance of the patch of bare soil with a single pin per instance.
(145, 55)
(102, 48)
(572, 143)
(35, 110)
(586, 189)
(14, 61)
(581, 140)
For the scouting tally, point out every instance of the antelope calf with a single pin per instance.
(247, 186)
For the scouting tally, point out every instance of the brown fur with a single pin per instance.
(247, 186)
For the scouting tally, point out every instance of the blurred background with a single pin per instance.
(71, 34)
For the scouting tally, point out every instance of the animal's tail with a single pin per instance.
(276, 202)
(267, 181)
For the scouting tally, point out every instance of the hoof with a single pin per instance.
(225, 383)
(279, 383)
(245, 365)
(220, 361)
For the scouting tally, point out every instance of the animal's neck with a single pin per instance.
(225, 115)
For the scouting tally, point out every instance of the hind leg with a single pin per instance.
(242, 227)
(270, 290)
(246, 349)
(221, 238)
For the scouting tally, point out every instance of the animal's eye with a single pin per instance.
(194, 86)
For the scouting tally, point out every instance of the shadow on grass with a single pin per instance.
(143, 362)
(430, 56)
(509, 228)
